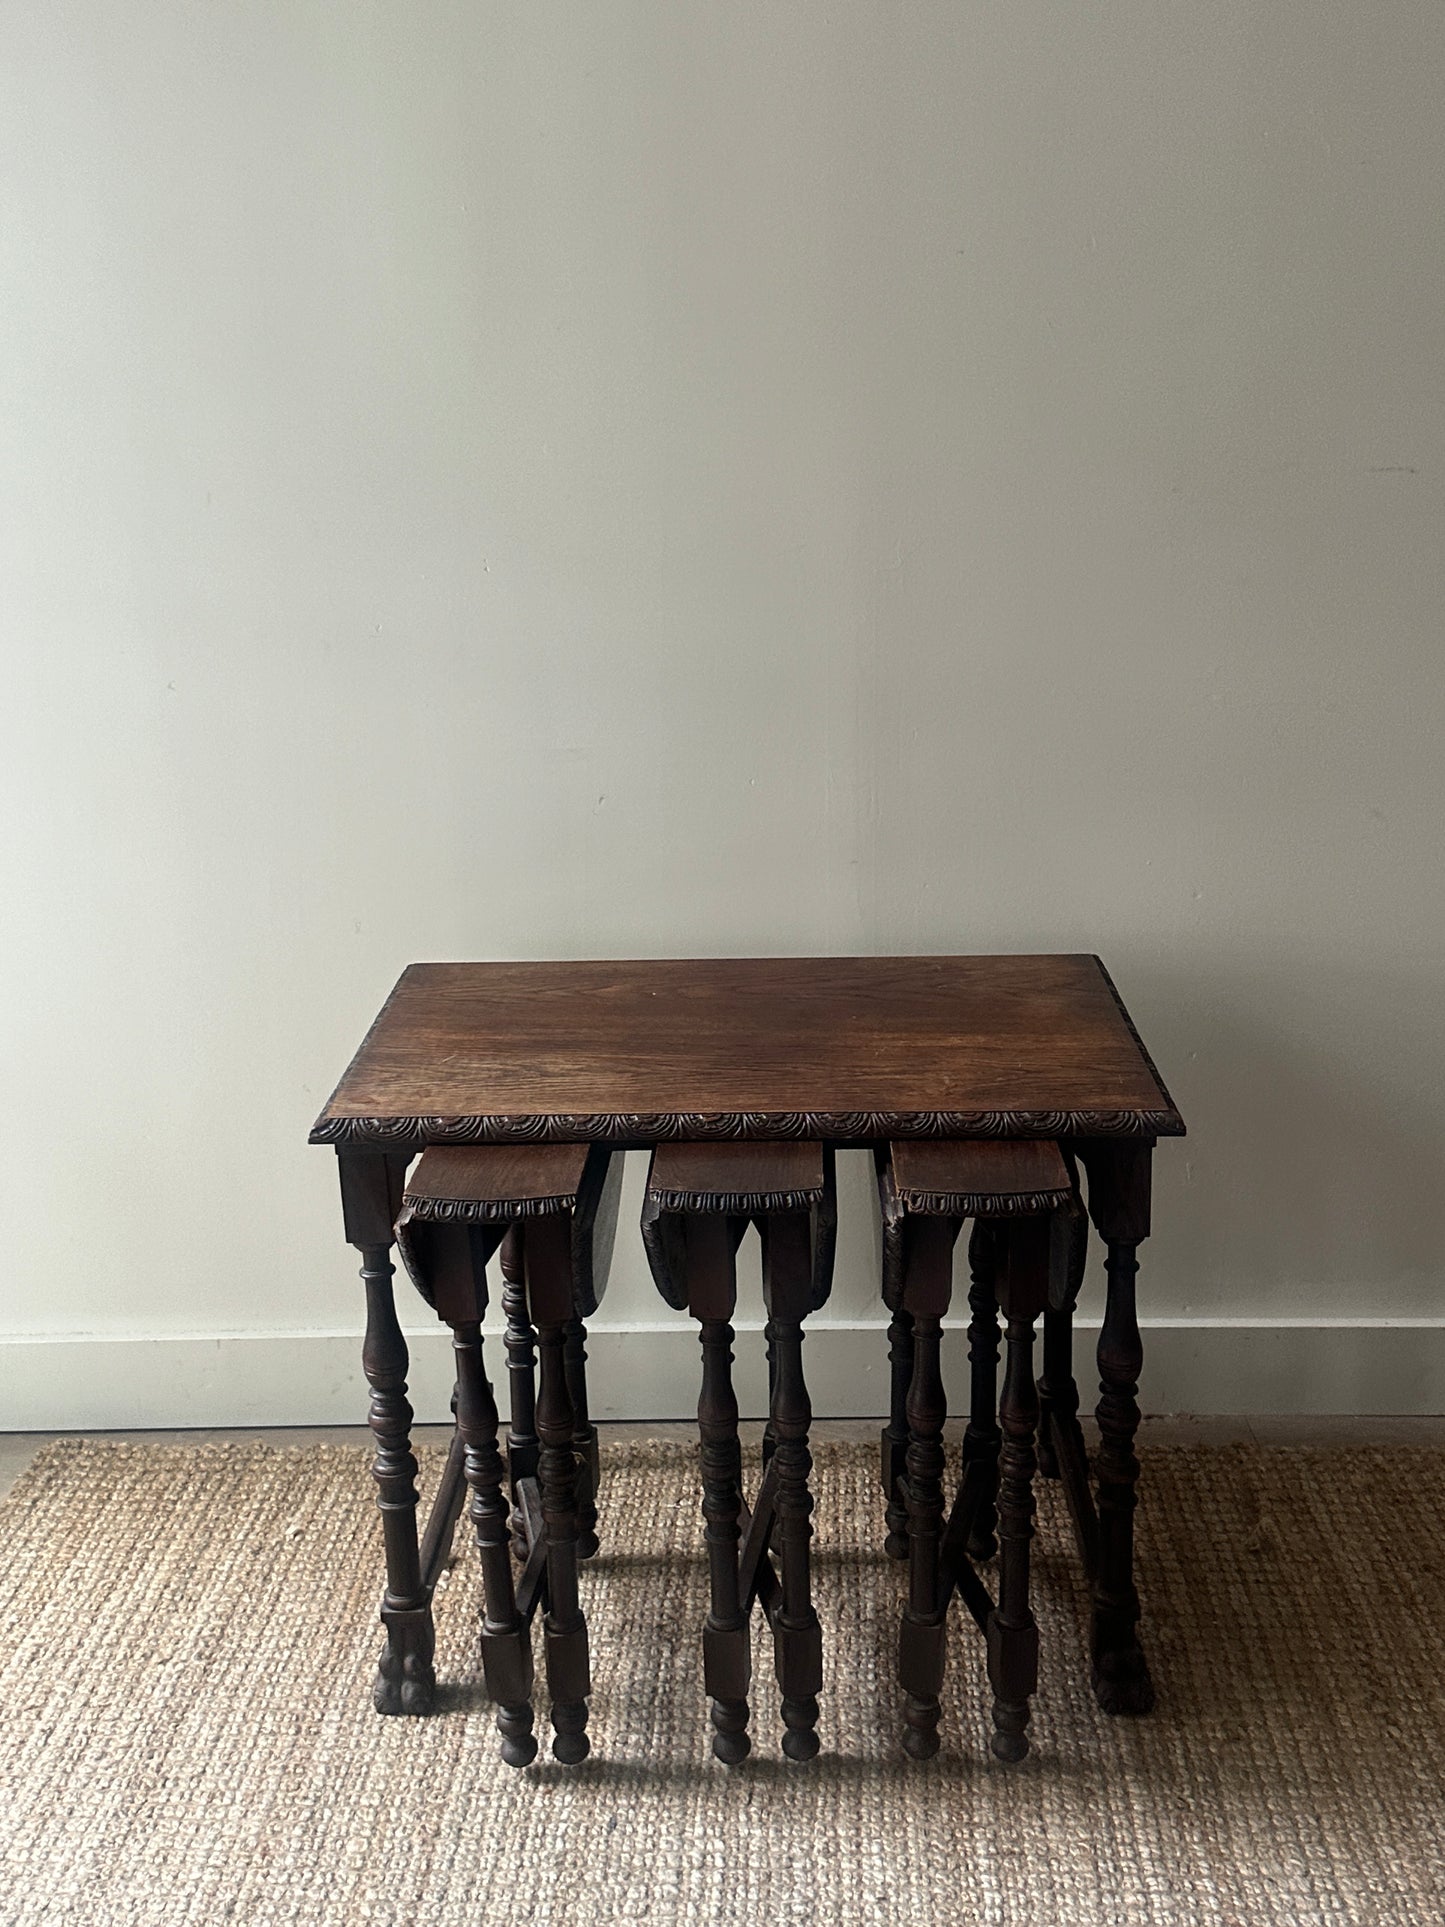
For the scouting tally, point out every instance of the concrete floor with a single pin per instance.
(18, 1448)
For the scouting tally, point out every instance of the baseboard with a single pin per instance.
(651, 1372)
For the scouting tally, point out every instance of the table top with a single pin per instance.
(849, 1049)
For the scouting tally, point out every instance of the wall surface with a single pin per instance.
(656, 479)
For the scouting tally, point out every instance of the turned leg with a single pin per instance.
(584, 1437)
(922, 1636)
(565, 1629)
(522, 1446)
(770, 1429)
(1058, 1389)
(895, 1433)
(1013, 1638)
(981, 1439)
(505, 1639)
(1121, 1674)
(797, 1635)
(727, 1655)
(406, 1681)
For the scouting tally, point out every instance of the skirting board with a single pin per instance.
(651, 1372)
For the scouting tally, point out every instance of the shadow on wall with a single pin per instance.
(1311, 1180)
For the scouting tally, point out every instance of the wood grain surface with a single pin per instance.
(736, 1177)
(504, 1174)
(957, 1179)
(843, 1049)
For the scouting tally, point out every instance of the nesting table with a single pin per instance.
(855, 1052)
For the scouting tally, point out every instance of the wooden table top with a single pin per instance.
(848, 1049)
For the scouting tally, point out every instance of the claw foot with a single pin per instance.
(405, 1683)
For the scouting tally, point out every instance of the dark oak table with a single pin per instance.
(852, 1051)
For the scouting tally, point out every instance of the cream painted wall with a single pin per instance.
(655, 478)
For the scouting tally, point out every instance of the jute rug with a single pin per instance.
(187, 1735)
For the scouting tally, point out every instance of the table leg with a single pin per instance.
(1121, 1673)
(1057, 1387)
(505, 1640)
(406, 1681)
(1013, 1637)
(584, 1437)
(797, 1634)
(727, 1655)
(547, 1259)
(923, 1634)
(371, 1188)
(1119, 1204)
(770, 1428)
(522, 1445)
(982, 1438)
(895, 1433)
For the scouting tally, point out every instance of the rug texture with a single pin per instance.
(188, 1735)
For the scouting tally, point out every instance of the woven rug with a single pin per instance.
(187, 1734)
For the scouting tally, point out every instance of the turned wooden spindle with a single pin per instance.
(406, 1680)
(506, 1649)
(584, 1437)
(770, 1429)
(371, 1190)
(1013, 1640)
(895, 1432)
(797, 1634)
(982, 1436)
(1121, 1676)
(1119, 1205)
(521, 1345)
(564, 1629)
(1061, 1441)
(727, 1656)
(922, 1640)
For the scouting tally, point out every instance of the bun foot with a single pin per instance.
(800, 1716)
(920, 1735)
(1010, 1742)
(519, 1742)
(571, 1748)
(730, 1742)
(896, 1545)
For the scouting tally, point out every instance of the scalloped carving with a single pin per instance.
(984, 1204)
(741, 1204)
(482, 1210)
(655, 1128)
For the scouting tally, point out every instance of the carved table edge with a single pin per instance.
(483, 1210)
(983, 1204)
(741, 1204)
(865, 1127)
